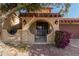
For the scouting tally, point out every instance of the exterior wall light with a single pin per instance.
(23, 11)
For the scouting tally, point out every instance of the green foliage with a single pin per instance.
(29, 6)
(7, 6)
(23, 47)
(64, 7)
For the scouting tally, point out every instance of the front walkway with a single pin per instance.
(49, 50)
(42, 50)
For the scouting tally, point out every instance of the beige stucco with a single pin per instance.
(30, 37)
(26, 36)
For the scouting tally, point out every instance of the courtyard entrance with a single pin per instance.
(41, 31)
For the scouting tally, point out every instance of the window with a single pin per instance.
(12, 30)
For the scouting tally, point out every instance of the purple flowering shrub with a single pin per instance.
(62, 39)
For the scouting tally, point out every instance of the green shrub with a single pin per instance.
(23, 47)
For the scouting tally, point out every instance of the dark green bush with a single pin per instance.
(62, 39)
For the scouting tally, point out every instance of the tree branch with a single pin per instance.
(4, 16)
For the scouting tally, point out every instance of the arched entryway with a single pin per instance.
(40, 29)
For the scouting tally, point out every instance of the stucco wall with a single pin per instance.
(72, 28)
(31, 37)
(25, 35)
(13, 39)
(50, 20)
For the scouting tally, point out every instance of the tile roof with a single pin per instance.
(40, 15)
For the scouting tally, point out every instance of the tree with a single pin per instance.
(63, 7)
(7, 9)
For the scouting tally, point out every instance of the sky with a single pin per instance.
(73, 11)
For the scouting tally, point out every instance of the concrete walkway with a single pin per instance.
(49, 50)
(74, 42)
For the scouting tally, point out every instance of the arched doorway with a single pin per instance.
(40, 29)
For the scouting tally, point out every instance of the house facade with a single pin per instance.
(37, 28)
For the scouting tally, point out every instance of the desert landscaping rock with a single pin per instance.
(12, 52)
(6, 50)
